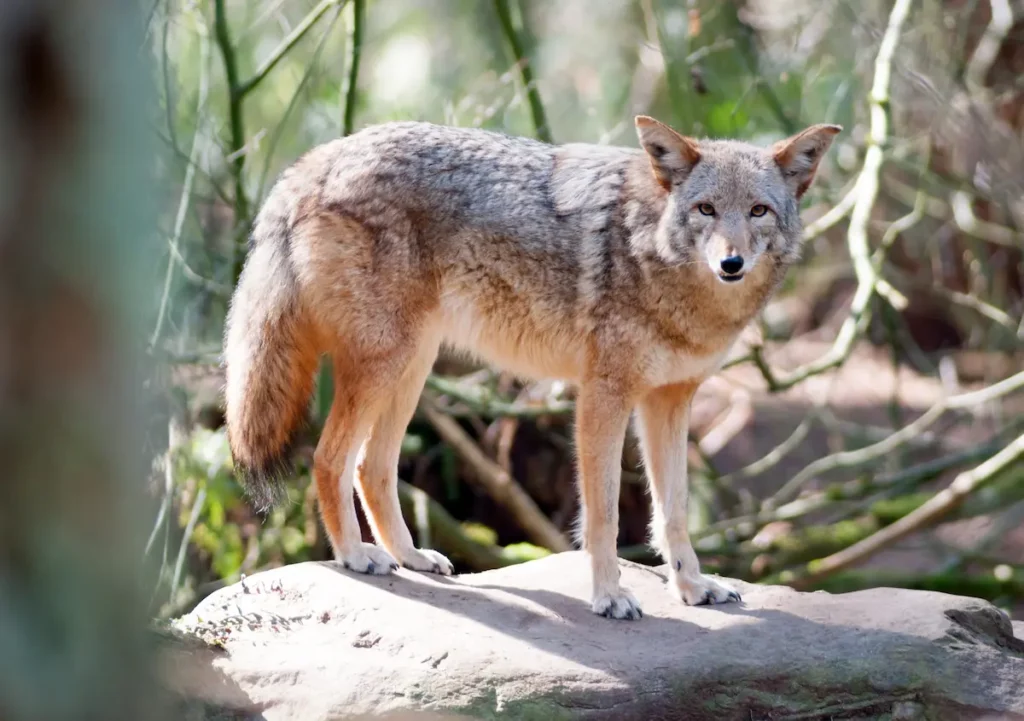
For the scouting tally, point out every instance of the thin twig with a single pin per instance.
(197, 508)
(501, 486)
(177, 433)
(358, 22)
(276, 133)
(237, 91)
(839, 211)
(540, 120)
(186, 190)
(1009, 520)
(934, 509)
(487, 405)
(964, 299)
(286, 45)
(183, 157)
(963, 214)
(236, 123)
(775, 456)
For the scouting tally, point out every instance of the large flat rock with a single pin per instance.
(312, 641)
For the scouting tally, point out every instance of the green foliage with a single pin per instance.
(228, 537)
(522, 552)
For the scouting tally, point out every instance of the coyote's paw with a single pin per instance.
(621, 604)
(368, 558)
(700, 590)
(427, 561)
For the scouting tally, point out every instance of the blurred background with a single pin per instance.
(889, 365)
(867, 430)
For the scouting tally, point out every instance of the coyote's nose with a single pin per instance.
(732, 265)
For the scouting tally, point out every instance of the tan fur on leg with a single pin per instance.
(334, 467)
(602, 415)
(378, 470)
(663, 423)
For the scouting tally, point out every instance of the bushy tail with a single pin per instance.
(270, 356)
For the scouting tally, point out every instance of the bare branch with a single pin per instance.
(850, 459)
(771, 459)
(235, 118)
(988, 46)
(865, 192)
(853, 489)
(286, 45)
(839, 211)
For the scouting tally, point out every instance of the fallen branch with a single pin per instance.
(938, 506)
(494, 480)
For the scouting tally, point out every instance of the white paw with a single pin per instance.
(620, 604)
(368, 558)
(701, 590)
(427, 561)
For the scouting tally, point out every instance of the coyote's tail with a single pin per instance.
(270, 357)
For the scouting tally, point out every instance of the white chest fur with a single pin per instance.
(665, 365)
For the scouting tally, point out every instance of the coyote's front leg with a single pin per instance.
(663, 423)
(602, 416)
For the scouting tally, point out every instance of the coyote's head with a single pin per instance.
(729, 203)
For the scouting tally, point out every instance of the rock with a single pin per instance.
(312, 641)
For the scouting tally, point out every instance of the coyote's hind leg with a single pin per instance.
(356, 401)
(378, 469)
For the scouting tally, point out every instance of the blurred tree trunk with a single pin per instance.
(74, 222)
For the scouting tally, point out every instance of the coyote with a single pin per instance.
(628, 273)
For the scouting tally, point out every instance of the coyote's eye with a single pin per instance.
(706, 209)
(758, 210)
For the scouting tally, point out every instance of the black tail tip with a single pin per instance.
(264, 484)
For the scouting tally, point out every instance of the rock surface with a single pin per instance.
(312, 641)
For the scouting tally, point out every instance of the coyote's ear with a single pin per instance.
(798, 156)
(672, 155)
